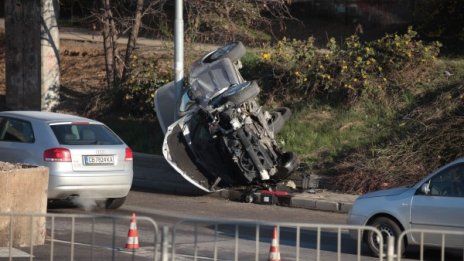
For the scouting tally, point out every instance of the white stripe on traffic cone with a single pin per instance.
(132, 235)
(274, 253)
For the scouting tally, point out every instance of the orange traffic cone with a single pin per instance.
(274, 253)
(133, 235)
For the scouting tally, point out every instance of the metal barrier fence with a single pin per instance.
(103, 237)
(255, 239)
(72, 237)
(438, 238)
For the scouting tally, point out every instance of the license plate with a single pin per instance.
(98, 159)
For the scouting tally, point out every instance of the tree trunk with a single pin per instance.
(132, 40)
(117, 62)
(108, 43)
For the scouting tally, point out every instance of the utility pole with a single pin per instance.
(178, 53)
(32, 55)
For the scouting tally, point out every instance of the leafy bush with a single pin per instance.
(147, 75)
(442, 19)
(344, 72)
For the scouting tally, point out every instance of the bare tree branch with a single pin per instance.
(132, 39)
(117, 19)
(250, 21)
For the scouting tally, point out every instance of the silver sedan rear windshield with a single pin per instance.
(84, 134)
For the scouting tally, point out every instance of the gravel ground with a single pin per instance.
(6, 166)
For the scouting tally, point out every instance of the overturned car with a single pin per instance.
(216, 133)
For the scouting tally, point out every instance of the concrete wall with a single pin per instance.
(31, 55)
(22, 54)
(23, 191)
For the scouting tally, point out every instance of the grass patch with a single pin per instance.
(324, 131)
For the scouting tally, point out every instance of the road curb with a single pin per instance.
(153, 173)
(323, 201)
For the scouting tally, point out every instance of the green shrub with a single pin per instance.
(441, 19)
(141, 134)
(147, 75)
(343, 73)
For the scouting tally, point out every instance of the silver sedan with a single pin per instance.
(436, 202)
(86, 160)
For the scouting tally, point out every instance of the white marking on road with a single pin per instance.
(155, 212)
(181, 216)
(141, 252)
(200, 257)
(5, 252)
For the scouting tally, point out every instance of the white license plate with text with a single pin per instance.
(98, 159)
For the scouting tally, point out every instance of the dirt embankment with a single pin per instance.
(82, 74)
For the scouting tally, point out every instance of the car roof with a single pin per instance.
(45, 116)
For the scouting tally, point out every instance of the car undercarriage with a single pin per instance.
(223, 137)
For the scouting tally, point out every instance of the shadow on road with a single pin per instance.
(308, 238)
(329, 241)
(2, 103)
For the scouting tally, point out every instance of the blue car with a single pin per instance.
(436, 202)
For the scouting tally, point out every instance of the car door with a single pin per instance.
(16, 140)
(442, 207)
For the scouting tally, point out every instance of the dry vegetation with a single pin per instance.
(82, 75)
(6, 166)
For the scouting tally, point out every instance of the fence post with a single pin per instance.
(391, 249)
(165, 244)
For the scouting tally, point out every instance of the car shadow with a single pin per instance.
(433, 253)
(3, 103)
(58, 204)
(170, 191)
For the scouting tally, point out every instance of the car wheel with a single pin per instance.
(114, 203)
(248, 198)
(276, 123)
(388, 228)
(238, 94)
(234, 51)
(288, 163)
(284, 111)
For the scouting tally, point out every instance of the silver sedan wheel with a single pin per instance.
(388, 228)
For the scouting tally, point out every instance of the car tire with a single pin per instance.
(114, 203)
(234, 51)
(387, 228)
(238, 93)
(289, 163)
(276, 123)
(285, 112)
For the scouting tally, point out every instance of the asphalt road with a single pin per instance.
(193, 238)
(169, 210)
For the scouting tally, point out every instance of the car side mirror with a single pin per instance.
(425, 188)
